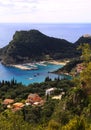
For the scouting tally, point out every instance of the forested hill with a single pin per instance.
(34, 46)
(83, 39)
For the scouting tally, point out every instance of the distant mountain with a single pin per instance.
(84, 39)
(28, 46)
(32, 45)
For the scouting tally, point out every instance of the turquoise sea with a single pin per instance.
(70, 32)
(28, 76)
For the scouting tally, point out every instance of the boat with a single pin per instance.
(30, 78)
(41, 64)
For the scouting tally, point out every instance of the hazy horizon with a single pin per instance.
(69, 32)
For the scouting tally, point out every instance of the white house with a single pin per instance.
(49, 91)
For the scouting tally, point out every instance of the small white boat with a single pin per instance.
(30, 78)
(41, 64)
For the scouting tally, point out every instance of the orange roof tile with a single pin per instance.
(8, 101)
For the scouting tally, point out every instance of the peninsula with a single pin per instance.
(34, 46)
(30, 46)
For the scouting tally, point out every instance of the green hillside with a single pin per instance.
(34, 46)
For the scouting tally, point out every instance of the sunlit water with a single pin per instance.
(28, 76)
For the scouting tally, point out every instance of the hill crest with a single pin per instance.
(33, 45)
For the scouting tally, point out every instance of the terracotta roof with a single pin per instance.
(32, 98)
(18, 105)
(80, 67)
(8, 101)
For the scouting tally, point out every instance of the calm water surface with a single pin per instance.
(30, 76)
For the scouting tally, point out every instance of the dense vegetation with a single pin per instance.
(30, 117)
(17, 91)
(82, 40)
(72, 112)
(69, 66)
(33, 45)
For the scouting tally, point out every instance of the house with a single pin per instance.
(17, 106)
(57, 97)
(8, 101)
(50, 91)
(87, 36)
(34, 99)
(79, 68)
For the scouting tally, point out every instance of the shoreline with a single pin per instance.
(55, 62)
(24, 67)
(33, 66)
(20, 67)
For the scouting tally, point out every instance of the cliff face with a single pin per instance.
(32, 45)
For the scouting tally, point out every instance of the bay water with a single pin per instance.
(27, 77)
(70, 32)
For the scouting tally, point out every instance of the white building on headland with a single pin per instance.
(49, 91)
(87, 36)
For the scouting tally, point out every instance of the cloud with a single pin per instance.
(45, 10)
(17, 6)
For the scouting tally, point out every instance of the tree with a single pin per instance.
(76, 123)
(32, 114)
(85, 75)
(53, 125)
(47, 79)
(13, 121)
(86, 52)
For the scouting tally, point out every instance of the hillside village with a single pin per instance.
(33, 99)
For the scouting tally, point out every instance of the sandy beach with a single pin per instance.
(21, 67)
(32, 66)
(58, 62)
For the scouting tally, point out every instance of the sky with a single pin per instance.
(45, 11)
